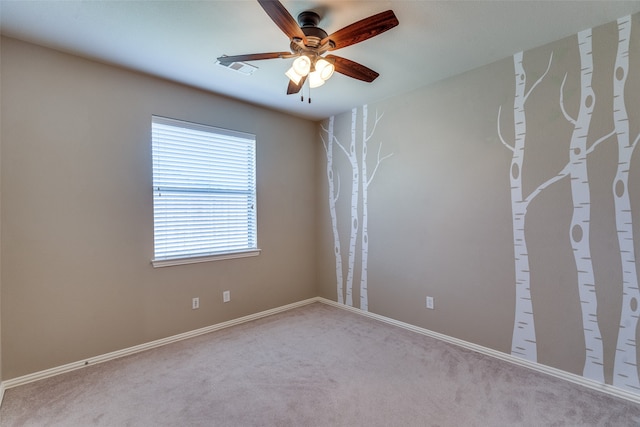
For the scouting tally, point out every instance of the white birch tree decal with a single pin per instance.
(625, 371)
(333, 198)
(346, 288)
(523, 343)
(355, 187)
(366, 181)
(524, 338)
(579, 233)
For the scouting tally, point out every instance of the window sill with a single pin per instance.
(181, 261)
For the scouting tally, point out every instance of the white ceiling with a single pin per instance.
(180, 40)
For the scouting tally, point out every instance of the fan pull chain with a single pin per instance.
(302, 95)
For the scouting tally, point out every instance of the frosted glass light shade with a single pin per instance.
(325, 68)
(315, 80)
(302, 65)
(293, 76)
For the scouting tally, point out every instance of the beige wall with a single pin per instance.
(1, 376)
(77, 229)
(77, 226)
(439, 209)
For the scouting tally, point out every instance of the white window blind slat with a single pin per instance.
(204, 190)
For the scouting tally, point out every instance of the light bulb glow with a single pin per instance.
(315, 80)
(325, 68)
(302, 65)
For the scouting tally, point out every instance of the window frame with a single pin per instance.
(252, 225)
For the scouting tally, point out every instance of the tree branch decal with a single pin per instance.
(562, 174)
(564, 112)
(379, 160)
(539, 79)
(509, 147)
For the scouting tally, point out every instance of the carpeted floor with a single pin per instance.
(312, 366)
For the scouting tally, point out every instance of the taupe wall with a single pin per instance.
(439, 209)
(76, 208)
(77, 226)
(1, 377)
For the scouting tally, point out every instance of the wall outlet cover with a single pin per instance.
(430, 303)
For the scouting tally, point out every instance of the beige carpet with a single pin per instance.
(312, 366)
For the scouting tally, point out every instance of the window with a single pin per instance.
(204, 193)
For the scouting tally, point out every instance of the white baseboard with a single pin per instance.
(36, 376)
(567, 376)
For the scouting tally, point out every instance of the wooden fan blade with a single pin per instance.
(362, 30)
(253, 57)
(352, 69)
(283, 19)
(295, 88)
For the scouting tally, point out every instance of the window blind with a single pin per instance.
(204, 190)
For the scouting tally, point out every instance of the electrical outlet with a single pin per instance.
(430, 303)
(195, 303)
(226, 296)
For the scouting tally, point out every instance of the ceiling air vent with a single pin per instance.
(241, 67)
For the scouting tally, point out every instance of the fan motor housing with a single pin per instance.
(308, 21)
(314, 32)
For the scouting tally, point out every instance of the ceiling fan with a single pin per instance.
(309, 43)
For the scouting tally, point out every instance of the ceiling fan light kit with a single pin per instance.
(319, 71)
(309, 43)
